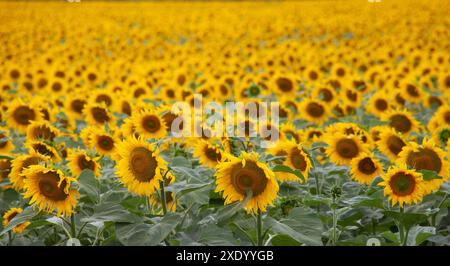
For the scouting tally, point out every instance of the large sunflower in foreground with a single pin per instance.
(238, 175)
(365, 168)
(22, 162)
(50, 190)
(342, 148)
(9, 215)
(149, 124)
(140, 167)
(426, 157)
(79, 160)
(403, 185)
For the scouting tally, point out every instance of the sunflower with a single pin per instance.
(402, 120)
(140, 166)
(412, 92)
(403, 185)
(284, 84)
(6, 145)
(314, 111)
(149, 124)
(74, 106)
(22, 162)
(238, 175)
(50, 190)
(325, 94)
(45, 149)
(378, 104)
(97, 114)
(208, 153)
(298, 159)
(103, 142)
(79, 160)
(21, 114)
(9, 215)
(41, 131)
(426, 157)
(312, 135)
(289, 132)
(342, 149)
(390, 143)
(440, 118)
(365, 168)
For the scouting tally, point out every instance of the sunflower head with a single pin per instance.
(342, 148)
(20, 115)
(208, 153)
(140, 166)
(403, 185)
(238, 176)
(79, 160)
(149, 124)
(50, 190)
(42, 131)
(390, 142)
(365, 168)
(21, 163)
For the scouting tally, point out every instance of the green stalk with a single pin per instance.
(9, 238)
(73, 230)
(401, 229)
(259, 228)
(163, 193)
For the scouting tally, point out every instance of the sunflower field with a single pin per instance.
(88, 155)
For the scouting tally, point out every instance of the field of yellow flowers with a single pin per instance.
(88, 155)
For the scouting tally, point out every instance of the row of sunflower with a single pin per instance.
(98, 97)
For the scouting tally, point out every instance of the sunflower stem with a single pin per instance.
(73, 230)
(334, 236)
(9, 238)
(163, 193)
(401, 229)
(259, 229)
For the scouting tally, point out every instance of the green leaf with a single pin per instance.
(111, 212)
(147, 234)
(25, 216)
(287, 169)
(365, 201)
(391, 237)
(407, 219)
(429, 175)
(284, 240)
(6, 157)
(89, 184)
(419, 234)
(284, 229)
(180, 161)
(182, 188)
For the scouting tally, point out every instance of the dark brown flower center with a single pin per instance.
(48, 186)
(412, 90)
(298, 160)
(347, 148)
(367, 166)
(105, 143)
(77, 105)
(249, 177)
(43, 132)
(401, 123)
(326, 94)
(143, 164)
(151, 123)
(24, 115)
(315, 109)
(104, 98)
(395, 144)
(84, 163)
(212, 154)
(425, 159)
(100, 115)
(43, 149)
(402, 184)
(381, 104)
(285, 84)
